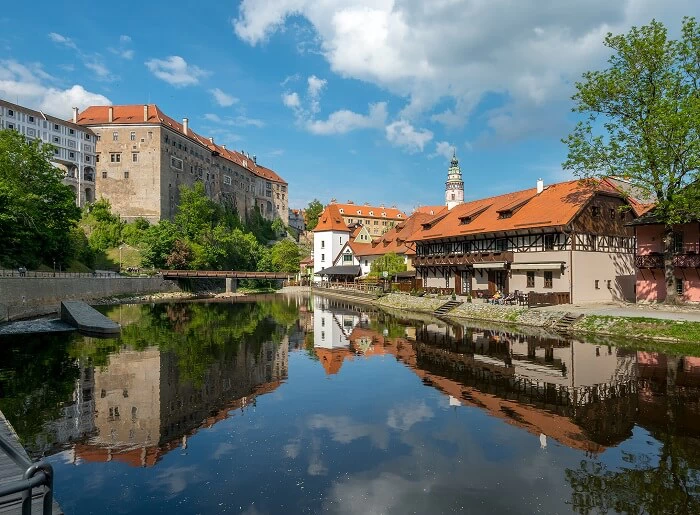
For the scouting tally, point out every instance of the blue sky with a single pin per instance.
(360, 100)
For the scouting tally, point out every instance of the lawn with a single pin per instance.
(109, 260)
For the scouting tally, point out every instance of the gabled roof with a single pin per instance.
(134, 114)
(352, 209)
(556, 205)
(396, 240)
(331, 220)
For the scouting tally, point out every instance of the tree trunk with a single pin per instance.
(669, 275)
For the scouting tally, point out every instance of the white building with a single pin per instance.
(330, 235)
(74, 145)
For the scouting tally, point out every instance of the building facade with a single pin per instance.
(651, 281)
(297, 220)
(74, 145)
(144, 156)
(570, 238)
(377, 219)
(330, 235)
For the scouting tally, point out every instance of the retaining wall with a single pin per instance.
(23, 297)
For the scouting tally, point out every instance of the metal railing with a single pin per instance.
(32, 273)
(35, 475)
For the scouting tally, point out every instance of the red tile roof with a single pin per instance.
(134, 114)
(389, 213)
(396, 240)
(556, 206)
(331, 220)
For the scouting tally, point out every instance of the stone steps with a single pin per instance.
(445, 308)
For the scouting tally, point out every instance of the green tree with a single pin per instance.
(313, 212)
(285, 256)
(37, 211)
(390, 262)
(103, 228)
(642, 123)
(196, 212)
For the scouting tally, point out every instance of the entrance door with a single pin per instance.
(458, 282)
(466, 282)
(497, 281)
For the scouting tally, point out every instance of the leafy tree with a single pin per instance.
(180, 256)
(278, 227)
(313, 212)
(134, 232)
(37, 211)
(196, 212)
(103, 228)
(285, 256)
(642, 123)
(158, 241)
(390, 262)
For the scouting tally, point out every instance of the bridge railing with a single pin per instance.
(224, 274)
(33, 273)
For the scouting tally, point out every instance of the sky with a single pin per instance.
(362, 100)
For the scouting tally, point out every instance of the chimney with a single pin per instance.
(185, 126)
(540, 185)
(255, 159)
(223, 146)
(145, 112)
(110, 116)
(75, 115)
(211, 140)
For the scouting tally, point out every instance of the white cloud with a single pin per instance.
(176, 71)
(344, 121)
(314, 92)
(405, 417)
(221, 98)
(444, 149)
(237, 121)
(30, 85)
(98, 68)
(62, 40)
(123, 50)
(527, 52)
(291, 100)
(402, 134)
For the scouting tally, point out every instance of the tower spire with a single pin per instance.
(454, 187)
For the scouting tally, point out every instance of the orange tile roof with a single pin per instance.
(332, 359)
(389, 213)
(430, 210)
(134, 114)
(556, 206)
(331, 220)
(396, 239)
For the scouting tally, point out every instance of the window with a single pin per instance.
(56, 139)
(176, 163)
(530, 279)
(597, 284)
(134, 157)
(31, 119)
(376, 222)
(71, 131)
(150, 135)
(10, 112)
(87, 137)
(366, 263)
(340, 240)
(87, 159)
(71, 155)
(115, 136)
(612, 213)
(548, 279)
(56, 127)
(323, 258)
(115, 157)
(501, 245)
(347, 258)
(126, 174)
(97, 158)
(595, 211)
(132, 136)
(104, 174)
(548, 242)
(609, 283)
(10, 126)
(227, 179)
(679, 286)
(677, 242)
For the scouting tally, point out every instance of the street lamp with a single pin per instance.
(120, 258)
(54, 267)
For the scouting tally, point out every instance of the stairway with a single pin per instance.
(563, 325)
(448, 306)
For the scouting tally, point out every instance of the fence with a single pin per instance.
(548, 299)
(31, 273)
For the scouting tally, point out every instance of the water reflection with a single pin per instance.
(379, 412)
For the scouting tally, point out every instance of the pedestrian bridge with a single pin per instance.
(231, 276)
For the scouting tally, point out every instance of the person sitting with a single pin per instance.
(496, 299)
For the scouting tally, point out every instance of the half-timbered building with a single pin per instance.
(569, 238)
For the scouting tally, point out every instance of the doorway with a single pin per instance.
(498, 281)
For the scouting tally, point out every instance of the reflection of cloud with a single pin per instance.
(383, 494)
(222, 450)
(406, 416)
(344, 430)
(174, 479)
(292, 449)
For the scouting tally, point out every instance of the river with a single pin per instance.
(297, 404)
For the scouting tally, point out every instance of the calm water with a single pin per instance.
(297, 404)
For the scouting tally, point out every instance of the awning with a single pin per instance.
(537, 266)
(351, 270)
(493, 265)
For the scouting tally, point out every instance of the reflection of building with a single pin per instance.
(144, 405)
(74, 145)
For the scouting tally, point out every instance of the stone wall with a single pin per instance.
(23, 297)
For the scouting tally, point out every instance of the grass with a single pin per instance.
(109, 260)
(642, 327)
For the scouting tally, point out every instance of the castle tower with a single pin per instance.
(454, 187)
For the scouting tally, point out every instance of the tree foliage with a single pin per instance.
(643, 122)
(285, 256)
(313, 212)
(37, 211)
(390, 262)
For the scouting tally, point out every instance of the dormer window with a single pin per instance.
(341, 210)
(359, 211)
(384, 215)
(398, 216)
(505, 214)
(465, 220)
(371, 213)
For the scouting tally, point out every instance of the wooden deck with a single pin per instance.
(10, 471)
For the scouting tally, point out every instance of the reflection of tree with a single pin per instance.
(37, 377)
(671, 485)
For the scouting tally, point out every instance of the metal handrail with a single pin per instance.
(35, 475)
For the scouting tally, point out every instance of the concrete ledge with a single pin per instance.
(87, 319)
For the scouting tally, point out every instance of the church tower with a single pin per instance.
(454, 187)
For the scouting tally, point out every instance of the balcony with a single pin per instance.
(463, 259)
(657, 261)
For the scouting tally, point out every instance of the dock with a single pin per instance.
(87, 319)
(14, 461)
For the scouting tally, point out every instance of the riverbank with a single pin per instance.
(644, 326)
